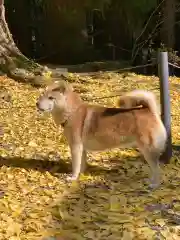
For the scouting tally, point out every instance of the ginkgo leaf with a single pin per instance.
(32, 144)
(127, 235)
(14, 229)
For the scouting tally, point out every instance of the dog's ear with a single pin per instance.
(59, 87)
(62, 87)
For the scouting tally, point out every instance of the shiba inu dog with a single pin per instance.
(96, 128)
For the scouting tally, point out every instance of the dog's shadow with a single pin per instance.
(58, 167)
(64, 166)
(41, 165)
(44, 164)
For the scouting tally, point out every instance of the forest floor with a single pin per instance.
(110, 202)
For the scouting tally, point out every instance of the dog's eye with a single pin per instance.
(50, 98)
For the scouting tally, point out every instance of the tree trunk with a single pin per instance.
(168, 26)
(12, 61)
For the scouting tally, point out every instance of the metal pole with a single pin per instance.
(163, 68)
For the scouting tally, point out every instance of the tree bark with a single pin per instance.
(12, 61)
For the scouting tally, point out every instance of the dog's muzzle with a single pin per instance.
(45, 105)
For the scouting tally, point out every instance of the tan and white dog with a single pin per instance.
(97, 128)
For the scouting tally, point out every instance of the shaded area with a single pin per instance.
(176, 149)
(117, 206)
(41, 165)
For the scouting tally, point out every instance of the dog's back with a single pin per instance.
(116, 127)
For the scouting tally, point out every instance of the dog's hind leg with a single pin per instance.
(84, 161)
(152, 158)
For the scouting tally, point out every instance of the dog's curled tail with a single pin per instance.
(139, 98)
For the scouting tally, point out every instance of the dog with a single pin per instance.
(135, 122)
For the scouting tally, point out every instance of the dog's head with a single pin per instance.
(54, 96)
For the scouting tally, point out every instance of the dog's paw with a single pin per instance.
(153, 186)
(72, 178)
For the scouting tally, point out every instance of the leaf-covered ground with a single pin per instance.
(110, 202)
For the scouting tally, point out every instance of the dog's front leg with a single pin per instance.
(77, 155)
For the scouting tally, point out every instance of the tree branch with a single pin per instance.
(138, 47)
(144, 29)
